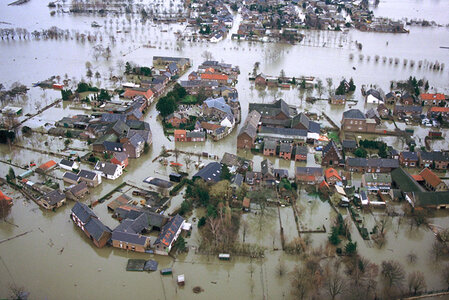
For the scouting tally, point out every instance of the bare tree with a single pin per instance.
(393, 273)
(416, 282)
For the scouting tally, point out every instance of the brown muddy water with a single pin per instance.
(56, 261)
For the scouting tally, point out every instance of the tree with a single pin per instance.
(360, 152)
(393, 273)
(416, 282)
(225, 173)
(319, 87)
(166, 106)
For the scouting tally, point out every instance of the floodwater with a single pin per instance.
(55, 260)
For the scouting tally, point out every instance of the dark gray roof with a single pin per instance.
(169, 230)
(127, 237)
(301, 150)
(96, 228)
(79, 187)
(66, 162)
(251, 123)
(271, 109)
(211, 172)
(111, 118)
(269, 144)
(409, 155)
(71, 176)
(113, 146)
(83, 212)
(285, 147)
(372, 162)
(87, 174)
(354, 114)
(314, 171)
(54, 197)
(106, 167)
(349, 144)
(286, 132)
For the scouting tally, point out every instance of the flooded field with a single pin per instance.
(55, 260)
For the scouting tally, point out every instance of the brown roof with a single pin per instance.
(430, 177)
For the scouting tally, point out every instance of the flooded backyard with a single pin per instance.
(55, 260)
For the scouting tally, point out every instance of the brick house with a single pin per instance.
(432, 99)
(269, 148)
(285, 151)
(408, 159)
(300, 153)
(432, 182)
(248, 132)
(332, 156)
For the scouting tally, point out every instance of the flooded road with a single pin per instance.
(56, 260)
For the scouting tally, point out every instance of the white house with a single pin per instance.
(108, 170)
(69, 165)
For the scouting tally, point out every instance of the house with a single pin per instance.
(68, 165)
(403, 111)
(373, 96)
(128, 234)
(70, 178)
(331, 176)
(78, 191)
(134, 146)
(375, 182)
(44, 168)
(176, 119)
(349, 145)
(210, 173)
(300, 153)
(269, 148)
(408, 159)
(253, 178)
(267, 170)
(277, 110)
(195, 136)
(120, 158)
(390, 98)
(332, 156)
(180, 135)
(91, 178)
(108, 170)
(216, 108)
(432, 99)
(169, 234)
(285, 151)
(432, 182)
(89, 223)
(52, 200)
(435, 159)
(371, 165)
(309, 175)
(355, 121)
(248, 132)
(407, 99)
(338, 99)
(147, 93)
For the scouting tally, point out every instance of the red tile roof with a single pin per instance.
(331, 172)
(430, 177)
(49, 164)
(432, 97)
(439, 109)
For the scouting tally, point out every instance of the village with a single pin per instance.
(208, 162)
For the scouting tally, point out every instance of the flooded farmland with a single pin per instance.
(55, 260)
